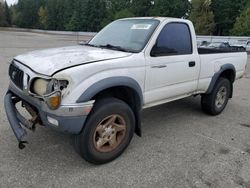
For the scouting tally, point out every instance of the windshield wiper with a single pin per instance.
(113, 47)
(110, 46)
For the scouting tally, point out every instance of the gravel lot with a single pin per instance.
(180, 147)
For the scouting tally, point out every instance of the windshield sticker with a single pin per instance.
(141, 26)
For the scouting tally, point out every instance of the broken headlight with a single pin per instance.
(49, 90)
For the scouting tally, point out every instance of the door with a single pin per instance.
(172, 69)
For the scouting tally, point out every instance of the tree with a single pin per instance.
(95, 12)
(225, 14)
(114, 6)
(91, 15)
(5, 18)
(70, 11)
(55, 14)
(26, 11)
(170, 8)
(7, 14)
(43, 18)
(202, 17)
(2, 16)
(125, 13)
(14, 15)
(72, 25)
(242, 25)
(141, 7)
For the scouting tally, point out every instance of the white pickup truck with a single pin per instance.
(98, 90)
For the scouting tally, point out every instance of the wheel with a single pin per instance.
(215, 102)
(107, 132)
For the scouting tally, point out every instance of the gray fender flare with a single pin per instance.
(108, 83)
(116, 82)
(218, 74)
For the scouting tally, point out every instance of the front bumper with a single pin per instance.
(68, 118)
(14, 121)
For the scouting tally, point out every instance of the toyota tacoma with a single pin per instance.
(97, 91)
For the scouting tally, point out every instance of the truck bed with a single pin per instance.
(212, 60)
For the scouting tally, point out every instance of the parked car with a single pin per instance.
(241, 46)
(204, 44)
(248, 47)
(97, 91)
(219, 45)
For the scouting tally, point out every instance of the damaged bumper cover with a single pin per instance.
(67, 118)
(14, 121)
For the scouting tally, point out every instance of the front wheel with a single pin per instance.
(108, 131)
(215, 102)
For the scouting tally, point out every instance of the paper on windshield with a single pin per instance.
(141, 26)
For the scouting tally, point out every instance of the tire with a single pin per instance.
(111, 119)
(215, 102)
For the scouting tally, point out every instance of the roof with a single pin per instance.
(156, 18)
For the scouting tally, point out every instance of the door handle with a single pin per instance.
(191, 64)
(159, 66)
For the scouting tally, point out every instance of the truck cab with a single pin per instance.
(173, 49)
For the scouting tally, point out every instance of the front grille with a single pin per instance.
(16, 75)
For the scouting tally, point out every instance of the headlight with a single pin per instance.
(40, 86)
(49, 90)
(43, 87)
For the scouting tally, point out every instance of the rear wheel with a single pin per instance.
(215, 102)
(108, 131)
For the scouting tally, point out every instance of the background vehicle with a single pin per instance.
(248, 47)
(241, 45)
(219, 45)
(97, 91)
(203, 44)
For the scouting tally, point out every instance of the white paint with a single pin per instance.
(51, 60)
(177, 80)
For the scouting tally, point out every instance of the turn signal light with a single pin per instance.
(54, 101)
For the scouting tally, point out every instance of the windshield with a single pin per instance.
(125, 35)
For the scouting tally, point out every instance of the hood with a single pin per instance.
(52, 60)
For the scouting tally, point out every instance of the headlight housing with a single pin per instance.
(50, 90)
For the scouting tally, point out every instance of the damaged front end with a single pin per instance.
(17, 121)
(42, 97)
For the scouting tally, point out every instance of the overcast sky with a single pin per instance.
(10, 2)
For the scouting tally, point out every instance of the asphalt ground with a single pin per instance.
(180, 147)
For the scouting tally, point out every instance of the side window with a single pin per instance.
(174, 39)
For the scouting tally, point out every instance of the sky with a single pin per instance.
(10, 2)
